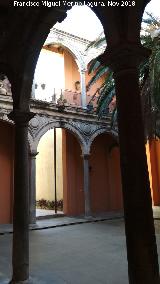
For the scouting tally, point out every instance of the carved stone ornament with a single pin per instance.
(3, 91)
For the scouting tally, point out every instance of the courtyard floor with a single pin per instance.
(87, 253)
(40, 213)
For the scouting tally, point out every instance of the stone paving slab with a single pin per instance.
(63, 221)
(156, 212)
(92, 253)
(46, 214)
(88, 253)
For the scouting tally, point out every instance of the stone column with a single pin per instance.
(32, 195)
(87, 195)
(139, 224)
(20, 253)
(33, 90)
(83, 88)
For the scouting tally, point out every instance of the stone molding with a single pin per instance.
(85, 131)
(76, 45)
(85, 126)
(20, 118)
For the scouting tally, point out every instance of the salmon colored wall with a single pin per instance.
(153, 154)
(72, 74)
(105, 178)
(73, 176)
(6, 172)
(64, 169)
(93, 88)
(116, 199)
(148, 154)
(71, 71)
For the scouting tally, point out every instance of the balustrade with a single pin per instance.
(66, 97)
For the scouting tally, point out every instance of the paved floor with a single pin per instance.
(60, 222)
(46, 213)
(87, 253)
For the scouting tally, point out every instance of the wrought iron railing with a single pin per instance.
(68, 98)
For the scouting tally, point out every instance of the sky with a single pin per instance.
(89, 26)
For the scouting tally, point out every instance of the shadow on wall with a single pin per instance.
(105, 175)
(72, 175)
(6, 171)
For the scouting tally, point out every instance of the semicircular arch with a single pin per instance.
(112, 133)
(72, 49)
(58, 124)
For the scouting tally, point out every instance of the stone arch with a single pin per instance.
(71, 48)
(100, 131)
(57, 124)
(36, 39)
(93, 55)
(30, 142)
(105, 172)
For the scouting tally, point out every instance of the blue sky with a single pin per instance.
(89, 25)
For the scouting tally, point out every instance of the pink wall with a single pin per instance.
(73, 175)
(154, 164)
(105, 178)
(105, 175)
(71, 71)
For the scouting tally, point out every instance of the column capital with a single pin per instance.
(124, 57)
(85, 156)
(21, 117)
(83, 71)
(33, 153)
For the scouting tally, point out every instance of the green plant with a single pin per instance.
(149, 79)
(41, 203)
(49, 205)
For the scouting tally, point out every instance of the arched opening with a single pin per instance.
(61, 80)
(89, 28)
(64, 58)
(105, 176)
(50, 82)
(137, 243)
(6, 171)
(60, 191)
(66, 64)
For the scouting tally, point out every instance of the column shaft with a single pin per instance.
(20, 253)
(33, 90)
(87, 195)
(139, 225)
(32, 195)
(83, 89)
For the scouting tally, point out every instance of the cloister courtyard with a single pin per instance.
(80, 136)
(87, 253)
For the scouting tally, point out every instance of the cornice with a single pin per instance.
(69, 35)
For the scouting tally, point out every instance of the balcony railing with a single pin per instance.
(67, 98)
